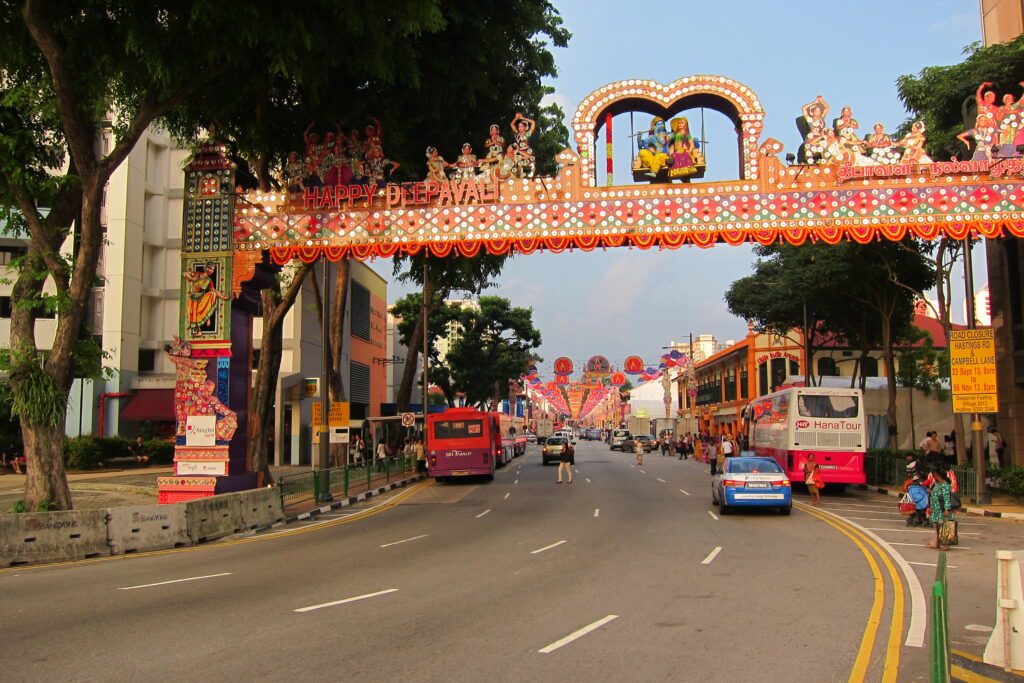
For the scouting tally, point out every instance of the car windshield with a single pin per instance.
(556, 441)
(742, 466)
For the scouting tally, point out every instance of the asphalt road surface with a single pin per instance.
(627, 574)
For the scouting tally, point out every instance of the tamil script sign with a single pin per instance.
(972, 357)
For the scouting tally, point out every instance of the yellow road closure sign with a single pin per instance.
(972, 357)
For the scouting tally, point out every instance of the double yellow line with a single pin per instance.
(867, 642)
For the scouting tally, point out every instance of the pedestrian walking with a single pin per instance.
(664, 443)
(565, 462)
(712, 456)
(722, 455)
(812, 477)
(671, 447)
(941, 506)
(638, 448)
(728, 447)
(996, 446)
(421, 455)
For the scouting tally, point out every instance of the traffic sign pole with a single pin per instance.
(977, 437)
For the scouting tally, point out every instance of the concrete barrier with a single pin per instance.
(147, 527)
(36, 537)
(213, 517)
(260, 507)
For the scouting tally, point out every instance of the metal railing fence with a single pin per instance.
(342, 482)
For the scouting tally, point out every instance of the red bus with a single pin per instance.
(463, 442)
(830, 423)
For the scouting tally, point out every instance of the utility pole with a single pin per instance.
(426, 355)
(324, 479)
(977, 435)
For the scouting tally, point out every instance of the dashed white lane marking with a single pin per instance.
(597, 511)
(713, 515)
(164, 583)
(588, 481)
(404, 540)
(547, 547)
(644, 471)
(507, 495)
(342, 602)
(683, 492)
(662, 480)
(712, 555)
(515, 482)
(577, 634)
(483, 513)
(978, 627)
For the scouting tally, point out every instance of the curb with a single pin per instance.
(981, 512)
(337, 504)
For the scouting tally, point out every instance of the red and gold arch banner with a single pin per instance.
(633, 365)
(562, 366)
(770, 201)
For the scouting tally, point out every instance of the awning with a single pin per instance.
(150, 404)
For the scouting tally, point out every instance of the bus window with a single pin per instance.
(828, 406)
(458, 429)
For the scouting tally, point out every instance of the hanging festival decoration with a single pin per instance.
(563, 366)
(633, 365)
(598, 367)
(618, 379)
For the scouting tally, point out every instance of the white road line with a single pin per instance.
(662, 480)
(683, 492)
(932, 564)
(404, 540)
(515, 482)
(915, 531)
(713, 515)
(483, 513)
(712, 555)
(918, 545)
(577, 634)
(342, 602)
(879, 519)
(164, 583)
(597, 511)
(547, 547)
(588, 481)
(644, 471)
(507, 495)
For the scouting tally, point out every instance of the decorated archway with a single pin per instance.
(228, 238)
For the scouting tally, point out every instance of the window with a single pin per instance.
(360, 312)
(147, 360)
(5, 307)
(827, 367)
(828, 406)
(9, 254)
(360, 375)
(869, 367)
(463, 429)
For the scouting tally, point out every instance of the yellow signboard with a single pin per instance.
(338, 415)
(972, 357)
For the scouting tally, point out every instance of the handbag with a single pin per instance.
(906, 505)
(954, 501)
(947, 533)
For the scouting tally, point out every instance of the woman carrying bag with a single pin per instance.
(941, 513)
(812, 477)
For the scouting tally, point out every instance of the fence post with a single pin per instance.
(387, 470)
(316, 485)
(939, 626)
(346, 473)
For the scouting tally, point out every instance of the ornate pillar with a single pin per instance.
(204, 462)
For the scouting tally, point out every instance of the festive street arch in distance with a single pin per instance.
(226, 236)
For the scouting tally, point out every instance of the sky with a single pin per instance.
(623, 301)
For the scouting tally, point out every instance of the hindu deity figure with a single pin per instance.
(522, 129)
(207, 403)
(436, 166)
(203, 296)
(846, 126)
(881, 146)
(466, 163)
(686, 155)
(913, 145)
(654, 147)
(292, 173)
(815, 140)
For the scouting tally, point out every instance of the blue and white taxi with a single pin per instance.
(751, 481)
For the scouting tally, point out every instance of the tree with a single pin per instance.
(65, 65)
(495, 343)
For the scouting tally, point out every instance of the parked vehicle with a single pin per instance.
(789, 425)
(629, 444)
(552, 450)
(752, 481)
(530, 437)
(618, 437)
(463, 442)
(639, 425)
(545, 428)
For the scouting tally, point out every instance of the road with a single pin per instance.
(627, 574)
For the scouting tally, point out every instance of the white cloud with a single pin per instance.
(559, 99)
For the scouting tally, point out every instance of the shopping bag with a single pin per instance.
(906, 505)
(947, 533)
